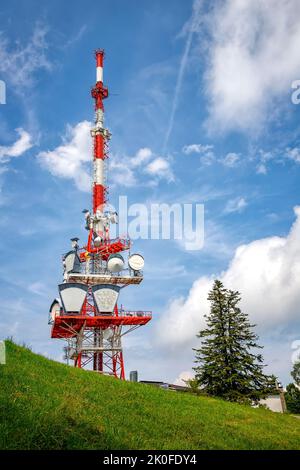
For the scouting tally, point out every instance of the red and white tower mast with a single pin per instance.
(86, 314)
(100, 135)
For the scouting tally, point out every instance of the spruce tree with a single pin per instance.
(292, 398)
(227, 365)
(292, 395)
(296, 372)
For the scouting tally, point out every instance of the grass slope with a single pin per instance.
(47, 405)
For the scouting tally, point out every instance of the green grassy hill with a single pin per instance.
(47, 405)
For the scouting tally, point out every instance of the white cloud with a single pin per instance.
(123, 170)
(143, 155)
(120, 172)
(253, 58)
(160, 168)
(207, 156)
(196, 148)
(265, 271)
(293, 154)
(261, 169)
(231, 159)
(19, 63)
(185, 375)
(19, 147)
(235, 205)
(72, 159)
(265, 157)
(278, 156)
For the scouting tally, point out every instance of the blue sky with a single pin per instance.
(205, 87)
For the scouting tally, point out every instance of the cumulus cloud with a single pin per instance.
(293, 154)
(262, 158)
(231, 159)
(266, 157)
(235, 205)
(196, 148)
(142, 156)
(123, 169)
(160, 168)
(183, 376)
(20, 146)
(261, 169)
(120, 173)
(206, 152)
(277, 156)
(71, 159)
(253, 59)
(208, 157)
(265, 271)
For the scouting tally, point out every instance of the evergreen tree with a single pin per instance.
(228, 367)
(292, 395)
(296, 372)
(292, 398)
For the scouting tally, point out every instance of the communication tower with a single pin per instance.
(86, 313)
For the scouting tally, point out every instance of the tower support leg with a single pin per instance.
(122, 368)
(78, 361)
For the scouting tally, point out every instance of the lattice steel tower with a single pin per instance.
(86, 314)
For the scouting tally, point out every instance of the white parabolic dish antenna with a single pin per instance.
(115, 263)
(136, 262)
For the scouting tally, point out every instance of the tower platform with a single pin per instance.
(68, 326)
(93, 279)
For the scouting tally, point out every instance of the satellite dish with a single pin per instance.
(97, 241)
(105, 297)
(72, 296)
(72, 262)
(115, 263)
(54, 309)
(136, 262)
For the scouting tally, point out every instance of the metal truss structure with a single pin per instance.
(86, 314)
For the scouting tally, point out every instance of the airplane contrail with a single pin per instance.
(196, 7)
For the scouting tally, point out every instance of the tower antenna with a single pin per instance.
(86, 314)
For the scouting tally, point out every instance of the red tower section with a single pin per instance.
(86, 314)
